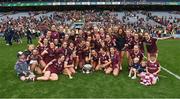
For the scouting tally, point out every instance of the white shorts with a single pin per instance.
(33, 62)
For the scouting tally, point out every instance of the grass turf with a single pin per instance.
(95, 85)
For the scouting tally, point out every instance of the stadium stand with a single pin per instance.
(24, 5)
(90, 0)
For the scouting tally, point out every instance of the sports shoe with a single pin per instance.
(87, 72)
(142, 83)
(70, 77)
(134, 77)
(129, 75)
(83, 71)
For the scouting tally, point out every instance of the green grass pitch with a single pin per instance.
(95, 85)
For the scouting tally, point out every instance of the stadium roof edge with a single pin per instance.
(26, 4)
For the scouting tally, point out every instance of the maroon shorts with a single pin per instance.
(114, 66)
(80, 56)
(52, 70)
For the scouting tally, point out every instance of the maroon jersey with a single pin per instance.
(97, 45)
(84, 36)
(113, 38)
(48, 38)
(95, 58)
(50, 56)
(63, 51)
(56, 67)
(129, 41)
(92, 43)
(42, 39)
(151, 45)
(80, 49)
(70, 51)
(115, 60)
(103, 58)
(134, 54)
(69, 60)
(55, 35)
(140, 44)
(153, 67)
(78, 38)
(109, 44)
(42, 48)
(86, 52)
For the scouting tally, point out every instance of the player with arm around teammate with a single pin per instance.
(53, 68)
(36, 62)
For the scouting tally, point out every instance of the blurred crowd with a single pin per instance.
(90, 0)
(31, 26)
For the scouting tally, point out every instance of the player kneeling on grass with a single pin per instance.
(104, 60)
(152, 70)
(36, 62)
(114, 67)
(22, 70)
(134, 69)
(53, 68)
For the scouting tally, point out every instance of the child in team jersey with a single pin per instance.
(150, 77)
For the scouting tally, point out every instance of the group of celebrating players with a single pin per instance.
(58, 52)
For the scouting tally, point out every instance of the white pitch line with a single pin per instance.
(177, 76)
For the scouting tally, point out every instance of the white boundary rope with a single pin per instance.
(175, 75)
